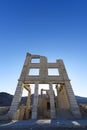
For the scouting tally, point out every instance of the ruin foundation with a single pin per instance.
(45, 105)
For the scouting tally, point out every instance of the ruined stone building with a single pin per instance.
(47, 104)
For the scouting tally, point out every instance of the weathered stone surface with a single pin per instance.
(65, 97)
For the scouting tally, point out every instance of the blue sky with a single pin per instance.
(56, 29)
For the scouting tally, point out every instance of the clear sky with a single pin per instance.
(56, 29)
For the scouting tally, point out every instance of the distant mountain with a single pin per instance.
(82, 100)
(6, 99)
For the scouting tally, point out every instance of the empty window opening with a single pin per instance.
(54, 89)
(44, 92)
(44, 87)
(24, 97)
(55, 104)
(25, 92)
(53, 71)
(48, 105)
(35, 60)
(32, 88)
(33, 72)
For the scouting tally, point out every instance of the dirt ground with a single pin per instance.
(43, 128)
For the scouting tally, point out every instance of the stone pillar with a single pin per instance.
(60, 103)
(52, 102)
(16, 100)
(70, 94)
(25, 69)
(28, 106)
(73, 103)
(28, 99)
(21, 112)
(35, 102)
